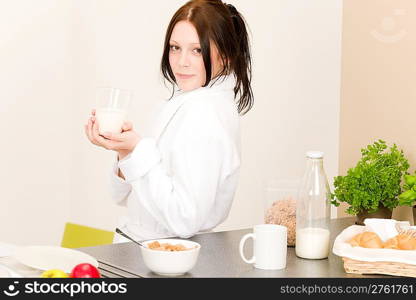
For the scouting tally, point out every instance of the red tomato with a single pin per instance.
(85, 271)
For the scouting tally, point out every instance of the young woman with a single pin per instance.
(181, 179)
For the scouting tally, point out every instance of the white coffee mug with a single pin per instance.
(270, 247)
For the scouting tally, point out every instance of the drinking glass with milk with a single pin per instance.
(313, 209)
(112, 107)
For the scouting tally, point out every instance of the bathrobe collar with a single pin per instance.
(223, 83)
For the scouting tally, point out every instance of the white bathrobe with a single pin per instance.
(181, 179)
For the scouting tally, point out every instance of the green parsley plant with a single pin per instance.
(374, 182)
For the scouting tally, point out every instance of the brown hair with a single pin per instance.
(224, 25)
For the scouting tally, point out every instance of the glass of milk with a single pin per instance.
(112, 105)
(313, 210)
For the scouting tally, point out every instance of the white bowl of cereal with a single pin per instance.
(170, 257)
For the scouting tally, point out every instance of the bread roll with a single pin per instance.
(355, 241)
(392, 243)
(401, 242)
(366, 240)
(370, 240)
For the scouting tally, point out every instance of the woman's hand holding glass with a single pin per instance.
(124, 143)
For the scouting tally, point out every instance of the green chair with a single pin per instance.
(78, 236)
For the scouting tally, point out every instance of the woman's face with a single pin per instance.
(186, 60)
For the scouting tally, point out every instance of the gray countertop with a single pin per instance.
(219, 257)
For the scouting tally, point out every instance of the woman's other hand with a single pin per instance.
(123, 143)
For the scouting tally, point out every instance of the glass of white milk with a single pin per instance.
(112, 105)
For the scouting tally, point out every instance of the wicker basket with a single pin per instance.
(391, 263)
(385, 268)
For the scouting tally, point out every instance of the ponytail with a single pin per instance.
(242, 62)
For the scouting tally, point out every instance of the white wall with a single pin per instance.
(35, 105)
(53, 55)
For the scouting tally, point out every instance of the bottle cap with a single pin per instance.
(315, 154)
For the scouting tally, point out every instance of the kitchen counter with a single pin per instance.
(219, 257)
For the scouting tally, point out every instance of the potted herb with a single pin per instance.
(372, 187)
(408, 197)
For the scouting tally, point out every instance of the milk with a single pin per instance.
(312, 243)
(110, 120)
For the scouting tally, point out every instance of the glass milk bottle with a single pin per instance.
(313, 210)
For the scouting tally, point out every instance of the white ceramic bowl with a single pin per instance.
(171, 263)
